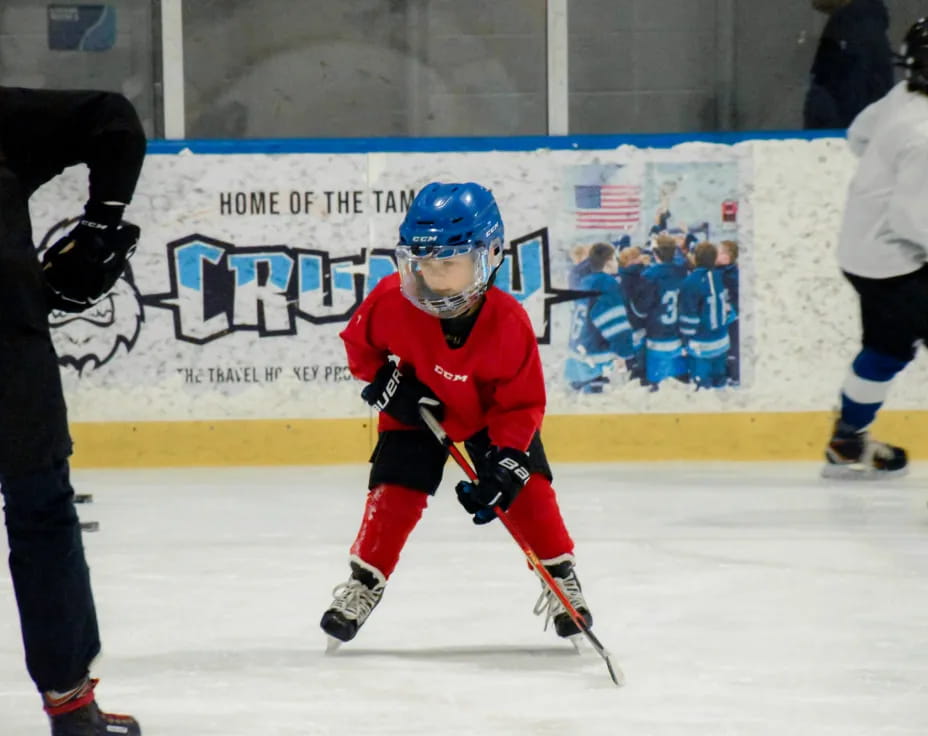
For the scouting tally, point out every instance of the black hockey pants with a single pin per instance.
(47, 562)
(50, 577)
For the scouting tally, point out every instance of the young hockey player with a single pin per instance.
(467, 351)
(705, 314)
(656, 298)
(882, 250)
(41, 133)
(600, 333)
(727, 264)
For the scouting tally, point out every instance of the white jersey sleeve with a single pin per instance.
(884, 232)
(861, 130)
(908, 212)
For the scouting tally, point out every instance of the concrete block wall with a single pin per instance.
(294, 68)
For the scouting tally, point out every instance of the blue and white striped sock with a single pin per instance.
(865, 388)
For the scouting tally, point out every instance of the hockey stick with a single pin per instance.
(433, 424)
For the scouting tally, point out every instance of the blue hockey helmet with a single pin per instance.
(451, 243)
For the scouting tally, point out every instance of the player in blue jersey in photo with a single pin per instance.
(657, 298)
(600, 332)
(705, 313)
(632, 263)
(727, 264)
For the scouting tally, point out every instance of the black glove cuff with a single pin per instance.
(99, 213)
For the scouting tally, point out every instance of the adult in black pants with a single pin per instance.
(43, 132)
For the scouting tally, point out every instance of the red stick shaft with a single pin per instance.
(516, 534)
(433, 424)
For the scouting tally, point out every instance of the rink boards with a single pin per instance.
(221, 346)
(586, 438)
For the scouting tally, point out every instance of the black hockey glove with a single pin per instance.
(80, 268)
(400, 395)
(502, 475)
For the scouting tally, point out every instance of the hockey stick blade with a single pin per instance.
(615, 672)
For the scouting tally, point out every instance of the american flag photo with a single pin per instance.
(607, 206)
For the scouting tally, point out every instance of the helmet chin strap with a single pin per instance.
(492, 278)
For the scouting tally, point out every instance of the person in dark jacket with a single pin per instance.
(853, 64)
(42, 132)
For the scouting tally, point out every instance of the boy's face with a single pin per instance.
(448, 276)
(611, 266)
(723, 258)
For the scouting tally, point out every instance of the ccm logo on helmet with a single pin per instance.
(424, 238)
(449, 375)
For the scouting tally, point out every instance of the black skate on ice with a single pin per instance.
(353, 603)
(855, 455)
(548, 604)
(77, 714)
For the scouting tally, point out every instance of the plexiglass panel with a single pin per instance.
(109, 46)
(317, 68)
(652, 66)
(285, 68)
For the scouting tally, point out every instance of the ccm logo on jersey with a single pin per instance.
(449, 375)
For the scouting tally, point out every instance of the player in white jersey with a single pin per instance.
(883, 249)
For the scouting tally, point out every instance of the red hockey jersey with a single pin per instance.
(493, 380)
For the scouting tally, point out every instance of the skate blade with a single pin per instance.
(859, 472)
(575, 640)
(332, 644)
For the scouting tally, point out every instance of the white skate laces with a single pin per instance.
(354, 600)
(549, 604)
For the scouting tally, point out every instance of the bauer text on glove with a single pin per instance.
(400, 395)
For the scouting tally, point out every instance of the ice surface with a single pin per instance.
(747, 599)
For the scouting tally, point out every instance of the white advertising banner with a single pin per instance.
(250, 264)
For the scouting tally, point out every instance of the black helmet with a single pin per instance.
(913, 56)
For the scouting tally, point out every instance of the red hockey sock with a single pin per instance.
(390, 514)
(536, 514)
(59, 703)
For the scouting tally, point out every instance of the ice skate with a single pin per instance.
(76, 713)
(855, 455)
(548, 604)
(353, 603)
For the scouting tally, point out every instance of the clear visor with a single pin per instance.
(445, 281)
